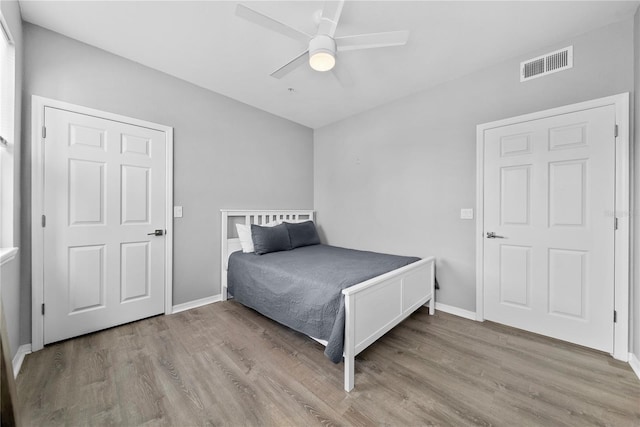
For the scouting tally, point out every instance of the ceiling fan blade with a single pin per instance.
(342, 75)
(330, 17)
(266, 21)
(373, 40)
(291, 65)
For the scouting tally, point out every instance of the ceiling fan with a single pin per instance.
(322, 46)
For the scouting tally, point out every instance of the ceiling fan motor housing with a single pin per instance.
(322, 53)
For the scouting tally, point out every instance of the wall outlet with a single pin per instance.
(466, 213)
(177, 211)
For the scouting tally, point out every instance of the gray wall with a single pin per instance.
(226, 154)
(635, 291)
(10, 272)
(394, 178)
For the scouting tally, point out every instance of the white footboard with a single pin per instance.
(373, 307)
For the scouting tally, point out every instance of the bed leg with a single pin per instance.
(349, 343)
(223, 285)
(349, 372)
(432, 301)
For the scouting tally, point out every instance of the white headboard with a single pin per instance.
(229, 236)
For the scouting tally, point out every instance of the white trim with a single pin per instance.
(7, 254)
(168, 263)
(37, 204)
(37, 237)
(622, 196)
(623, 234)
(23, 350)
(5, 29)
(635, 364)
(479, 224)
(460, 312)
(8, 159)
(196, 303)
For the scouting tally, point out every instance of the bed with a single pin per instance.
(370, 308)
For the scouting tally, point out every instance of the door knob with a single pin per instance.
(492, 235)
(156, 233)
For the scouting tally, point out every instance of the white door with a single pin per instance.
(549, 199)
(104, 192)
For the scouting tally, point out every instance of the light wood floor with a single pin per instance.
(224, 364)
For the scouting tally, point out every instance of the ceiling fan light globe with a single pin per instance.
(322, 60)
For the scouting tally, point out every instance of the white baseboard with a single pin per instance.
(635, 364)
(194, 304)
(23, 350)
(471, 315)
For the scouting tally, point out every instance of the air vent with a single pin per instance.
(546, 64)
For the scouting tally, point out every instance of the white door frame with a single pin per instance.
(37, 205)
(622, 209)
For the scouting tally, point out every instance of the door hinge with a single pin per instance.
(615, 316)
(43, 309)
(44, 221)
(615, 131)
(615, 223)
(44, 132)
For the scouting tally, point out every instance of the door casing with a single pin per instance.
(622, 209)
(37, 205)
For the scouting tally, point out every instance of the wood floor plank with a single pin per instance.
(225, 364)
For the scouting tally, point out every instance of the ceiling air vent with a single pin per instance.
(546, 64)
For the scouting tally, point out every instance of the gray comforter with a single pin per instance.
(302, 288)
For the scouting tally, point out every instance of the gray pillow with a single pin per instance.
(270, 239)
(302, 234)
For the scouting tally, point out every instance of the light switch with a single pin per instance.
(177, 211)
(466, 213)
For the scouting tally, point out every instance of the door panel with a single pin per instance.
(83, 135)
(568, 282)
(549, 193)
(135, 270)
(568, 137)
(515, 195)
(515, 272)
(86, 278)
(104, 191)
(132, 144)
(135, 194)
(86, 192)
(568, 193)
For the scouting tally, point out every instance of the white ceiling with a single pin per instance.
(203, 42)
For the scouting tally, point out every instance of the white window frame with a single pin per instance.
(7, 146)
